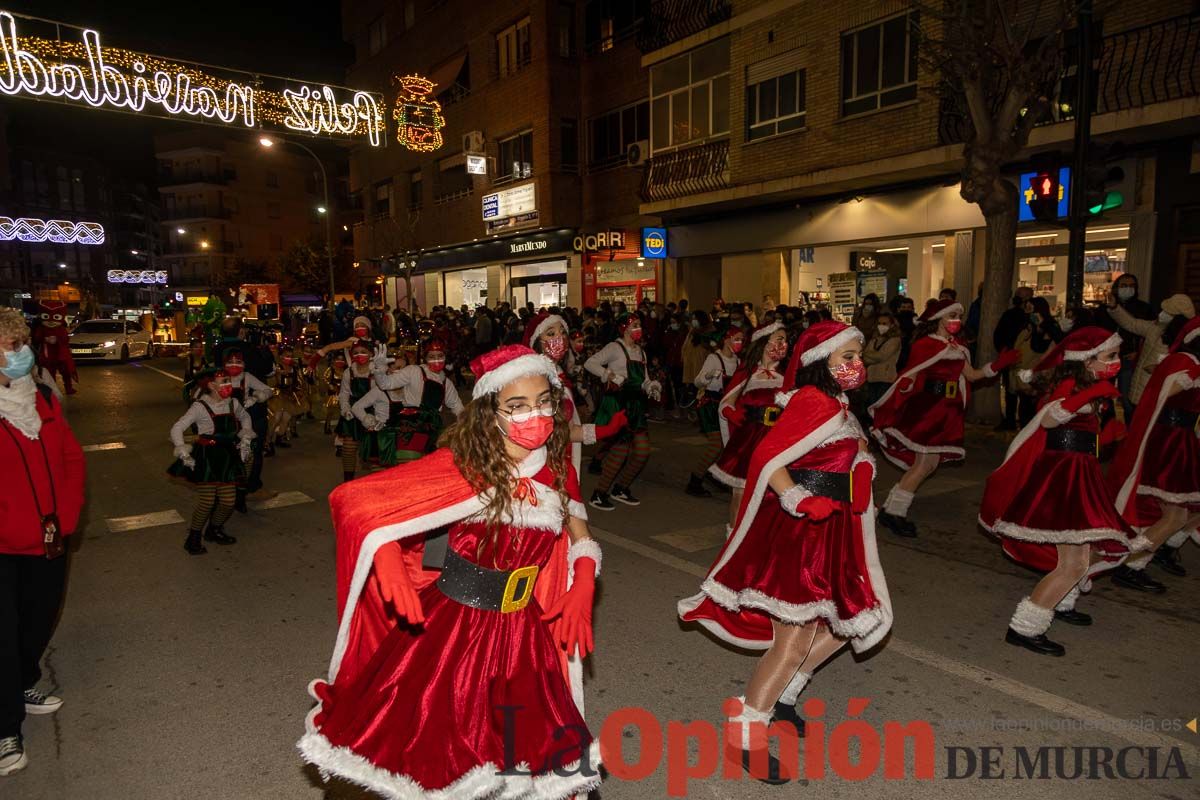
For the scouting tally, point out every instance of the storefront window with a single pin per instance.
(543, 284)
(467, 287)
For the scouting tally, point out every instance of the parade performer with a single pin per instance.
(331, 377)
(290, 399)
(215, 460)
(1047, 501)
(404, 407)
(800, 575)
(919, 421)
(711, 381)
(1155, 476)
(748, 411)
(52, 343)
(422, 671)
(621, 367)
(212, 318)
(356, 383)
(362, 334)
(546, 334)
(310, 370)
(253, 395)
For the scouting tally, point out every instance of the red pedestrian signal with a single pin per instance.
(1044, 193)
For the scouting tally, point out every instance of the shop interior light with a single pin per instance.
(892, 250)
(266, 142)
(180, 231)
(1046, 235)
(1113, 229)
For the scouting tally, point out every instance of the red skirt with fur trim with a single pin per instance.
(926, 421)
(733, 465)
(1171, 472)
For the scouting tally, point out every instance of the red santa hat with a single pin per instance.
(496, 369)
(625, 320)
(539, 324)
(936, 309)
(765, 330)
(819, 341)
(1188, 332)
(435, 346)
(1079, 345)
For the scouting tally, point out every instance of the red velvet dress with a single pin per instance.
(911, 419)
(733, 465)
(1172, 469)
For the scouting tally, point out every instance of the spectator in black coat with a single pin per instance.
(1125, 290)
(1012, 322)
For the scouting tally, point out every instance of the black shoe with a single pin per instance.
(193, 544)
(595, 467)
(1038, 644)
(600, 500)
(337, 451)
(897, 524)
(1167, 559)
(714, 485)
(775, 776)
(696, 488)
(1136, 579)
(1073, 617)
(786, 712)
(239, 502)
(269, 451)
(216, 533)
(623, 495)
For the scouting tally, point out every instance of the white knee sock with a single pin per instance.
(898, 502)
(743, 721)
(1031, 619)
(1068, 602)
(1179, 539)
(1139, 561)
(792, 692)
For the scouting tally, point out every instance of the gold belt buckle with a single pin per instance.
(771, 415)
(951, 389)
(510, 602)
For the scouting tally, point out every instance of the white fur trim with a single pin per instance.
(1192, 334)
(792, 691)
(1043, 536)
(909, 444)
(825, 349)
(857, 626)
(1177, 499)
(1180, 538)
(792, 498)
(519, 367)
(783, 398)
(589, 434)
(483, 781)
(1110, 343)
(766, 331)
(758, 382)
(955, 306)
(743, 721)
(577, 509)
(864, 456)
(898, 501)
(725, 478)
(1140, 544)
(1130, 486)
(1060, 415)
(1030, 619)
(1025, 375)
(950, 352)
(1068, 602)
(584, 548)
(553, 319)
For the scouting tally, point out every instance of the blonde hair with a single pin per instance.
(13, 325)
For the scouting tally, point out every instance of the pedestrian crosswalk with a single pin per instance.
(96, 448)
(171, 516)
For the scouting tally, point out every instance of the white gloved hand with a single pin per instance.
(375, 424)
(183, 451)
(615, 379)
(347, 415)
(379, 362)
(249, 402)
(653, 389)
(245, 450)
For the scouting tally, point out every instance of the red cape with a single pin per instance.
(925, 352)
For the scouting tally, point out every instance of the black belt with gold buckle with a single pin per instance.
(763, 415)
(1178, 418)
(486, 589)
(1073, 441)
(834, 485)
(943, 388)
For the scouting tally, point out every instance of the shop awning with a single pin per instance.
(446, 75)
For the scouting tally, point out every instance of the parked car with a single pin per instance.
(110, 340)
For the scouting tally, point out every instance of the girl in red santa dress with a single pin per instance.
(919, 420)
(800, 576)
(1047, 501)
(748, 410)
(1155, 477)
(458, 687)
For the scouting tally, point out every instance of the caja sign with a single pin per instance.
(654, 242)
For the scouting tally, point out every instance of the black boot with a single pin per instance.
(1136, 579)
(239, 502)
(1038, 644)
(696, 488)
(216, 533)
(775, 774)
(1073, 617)
(786, 712)
(897, 524)
(193, 544)
(1168, 560)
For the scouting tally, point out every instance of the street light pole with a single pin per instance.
(265, 142)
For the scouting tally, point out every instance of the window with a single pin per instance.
(566, 30)
(879, 65)
(569, 134)
(609, 21)
(376, 36)
(775, 105)
(513, 48)
(516, 158)
(272, 179)
(452, 180)
(609, 135)
(383, 199)
(415, 185)
(273, 211)
(689, 97)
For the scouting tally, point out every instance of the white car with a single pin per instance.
(110, 340)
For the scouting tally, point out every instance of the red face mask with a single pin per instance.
(1107, 371)
(532, 433)
(577, 345)
(225, 391)
(635, 335)
(361, 358)
(736, 345)
(234, 369)
(361, 332)
(288, 361)
(436, 365)
(776, 351)
(953, 326)
(554, 348)
(850, 375)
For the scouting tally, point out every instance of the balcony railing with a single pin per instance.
(671, 20)
(685, 172)
(195, 212)
(1151, 64)
(169, 177)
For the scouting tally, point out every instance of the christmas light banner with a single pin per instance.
(45, 60)
(59, 231)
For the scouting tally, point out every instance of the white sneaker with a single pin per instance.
(38, 703)
(12, 755)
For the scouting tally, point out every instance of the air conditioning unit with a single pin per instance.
(473, 142)
(637, 153)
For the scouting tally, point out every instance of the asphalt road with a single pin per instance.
(185, 677)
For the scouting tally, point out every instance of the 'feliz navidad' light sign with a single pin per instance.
(70, 65)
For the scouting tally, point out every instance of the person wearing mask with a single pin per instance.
(880, 354)
(356, 384)
(42, 467)
(1155, 335)
(1012, 322)
(1076, 317)
(674, 342)
(699, 345)
(710, 382)
(1039, 335)
(253, 395)
(866, 314)
(289, 401)
(1125, 295)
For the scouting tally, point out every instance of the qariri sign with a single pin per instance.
(45, 60)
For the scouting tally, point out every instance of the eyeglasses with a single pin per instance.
(523, 413)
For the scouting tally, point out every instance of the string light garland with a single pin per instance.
(418, 115)
(86, 72)
(143, 276)
(59, 231)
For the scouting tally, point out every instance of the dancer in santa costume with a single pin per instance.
(459, 687)
(800, 576)
(1047, 501)
(621, 367)
(52, 343)
(714, 376)
(919, 421)
(748, 411)
(1155, 477)
(546, 333)
(356, 383)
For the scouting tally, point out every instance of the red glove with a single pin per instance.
(1114, 431)
(736, 416)
(1094, 392)
(816, 507)
(394, 584)
(1193, 372)
(1005, 360)
(906, 385)
(574, 607)
(613, 426)
(861, 479)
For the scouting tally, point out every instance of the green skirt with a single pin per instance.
(351, 429)
(706, 410)
(215, 463)
(634, 406)
(406, 442)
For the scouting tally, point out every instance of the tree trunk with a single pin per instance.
(1000, 211)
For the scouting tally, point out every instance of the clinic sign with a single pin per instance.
(512, 202)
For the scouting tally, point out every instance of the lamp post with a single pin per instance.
(324, 209)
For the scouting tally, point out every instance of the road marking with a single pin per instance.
(151, 520)
(281, 500)
(96, 448)
(159, 371)
(1059, 706)
(693, 540)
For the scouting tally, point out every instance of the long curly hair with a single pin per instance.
(477, 443)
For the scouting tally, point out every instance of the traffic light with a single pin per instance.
(1100, 197)
(1045, 191)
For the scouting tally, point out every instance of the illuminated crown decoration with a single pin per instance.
(418, 115)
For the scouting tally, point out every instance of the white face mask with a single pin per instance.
(883, 329)
(1165, 317)
(1126, 292)
(1067, 324)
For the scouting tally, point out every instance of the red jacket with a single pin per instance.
(20, 524)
